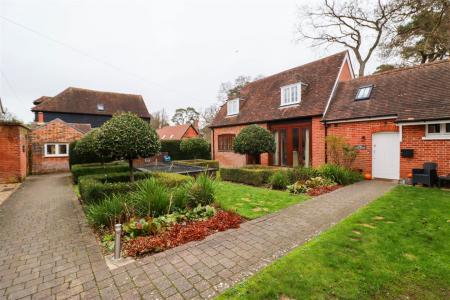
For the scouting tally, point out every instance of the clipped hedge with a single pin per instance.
(173, 149)
(95, 188)
(200, 163)
(251, 176)
(92, 169)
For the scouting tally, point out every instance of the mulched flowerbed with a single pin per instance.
(182, 233)
(323, 190)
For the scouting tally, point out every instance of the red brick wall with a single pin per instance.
(360, 133)
(13, 153)
(317, 142)
(53, 132)
(424, 151)
(231, 159)
(190, 133)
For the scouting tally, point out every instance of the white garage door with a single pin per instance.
(386, 155)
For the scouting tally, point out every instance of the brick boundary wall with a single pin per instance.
(13, 153)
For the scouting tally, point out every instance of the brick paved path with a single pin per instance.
(47, 250)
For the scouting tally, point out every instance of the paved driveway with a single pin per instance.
(47, 250)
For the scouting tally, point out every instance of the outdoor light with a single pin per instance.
(118, 229)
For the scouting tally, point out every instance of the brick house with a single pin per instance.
(77, 105)
(13, 152)
(66, 117)
(398, 119)
(49, 144)
(177, 132)
(291, 105)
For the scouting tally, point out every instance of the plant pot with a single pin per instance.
(367, 176)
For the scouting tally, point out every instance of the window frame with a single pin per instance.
(289, 87)
(57, 150)
(442, 134)
(370, 86)
(220, 144)
(230, 103)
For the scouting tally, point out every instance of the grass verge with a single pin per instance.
(395, 248)
(253, 202)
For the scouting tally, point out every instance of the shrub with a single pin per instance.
(340, 152)
(82, 170)
(112, 210)
(180, 196)
(173, 149)
(254, 140)
(339, 174)
(301, 174)
(93, 191)
(251, 176)
(195, 148)
(200, 162)
(311, 184)
(201, 191)
(279, 180)
(151, 199)
(171, 179)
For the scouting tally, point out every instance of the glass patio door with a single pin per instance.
(292, 145)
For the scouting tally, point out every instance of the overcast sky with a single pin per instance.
(174, 53)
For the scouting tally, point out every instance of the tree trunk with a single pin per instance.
(130, 164)
(362, 68)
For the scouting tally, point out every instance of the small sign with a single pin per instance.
(361, 147)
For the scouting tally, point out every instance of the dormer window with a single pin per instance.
(291, 94)
(233, 107)
(364, 92)
(100, 107)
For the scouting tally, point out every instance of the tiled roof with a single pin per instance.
(412, 94)
(84, 101)
(260, 100)
(81, 127)
(173, 132)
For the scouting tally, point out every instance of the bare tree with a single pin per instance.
(206, 117)
(354, 24)
(159, 119)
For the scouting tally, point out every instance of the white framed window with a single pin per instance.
(100, 106)
(291, 94)
(56, 150)
(364, 92)
(437, 131)
(233, 107)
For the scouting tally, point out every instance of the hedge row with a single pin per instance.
(92, 169)
(251, 176)
(78, 158)
(200, 163)
(173, 148)
(94, 188)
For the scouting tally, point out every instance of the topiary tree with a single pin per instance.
(126, 136)
(254, 140)
(194, 147)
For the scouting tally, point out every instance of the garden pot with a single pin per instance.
(367, 176)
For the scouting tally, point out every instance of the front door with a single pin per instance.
(386, 155)
(293, 145)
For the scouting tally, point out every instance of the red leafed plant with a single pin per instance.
(180, 234)
(323, 190)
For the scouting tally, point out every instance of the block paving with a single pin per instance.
(47, 250)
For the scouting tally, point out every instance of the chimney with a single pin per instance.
(195, 124)
(40, 117)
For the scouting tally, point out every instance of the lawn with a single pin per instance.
(253, 202)
(398, 247)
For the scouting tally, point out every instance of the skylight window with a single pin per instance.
(364, 92)
(100, 106)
